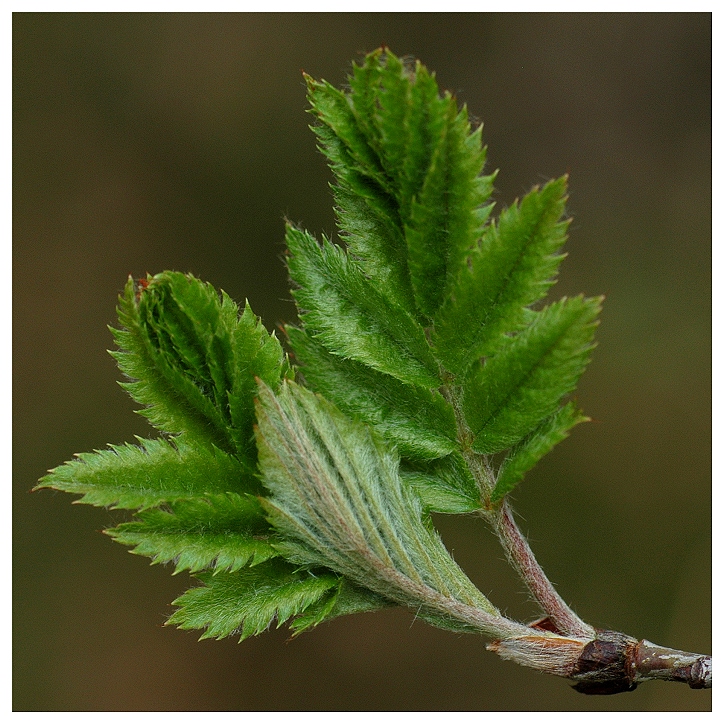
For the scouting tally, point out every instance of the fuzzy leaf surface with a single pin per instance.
(338, 500)
(150, 474)
(447, 216)
(367, 211)
(509, 395)
(193, 360)
(532, 448)
(444, 486)
(250, 600)
(417, 421)
(219, 532)
(409, 192)
(342, 309)
(511, 268)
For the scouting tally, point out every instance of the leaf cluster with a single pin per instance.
(435, 376)
(428, 325)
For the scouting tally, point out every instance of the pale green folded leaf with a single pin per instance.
(337, 497)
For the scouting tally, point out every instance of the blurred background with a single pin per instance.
(146, 142)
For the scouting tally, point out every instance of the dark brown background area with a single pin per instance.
(180, 141)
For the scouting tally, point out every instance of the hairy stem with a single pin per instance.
(492, 624)
(521, 557)
(562, 644)
(519, 554)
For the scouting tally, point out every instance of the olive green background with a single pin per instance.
(146, 142)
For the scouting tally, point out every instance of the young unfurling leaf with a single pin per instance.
(193, 360)
(410, 196)
(338, 499)
(412, 209)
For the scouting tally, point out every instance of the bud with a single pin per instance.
(551, 653)
(606, 664)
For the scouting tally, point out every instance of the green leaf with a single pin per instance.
(417, 421)
(194, 360)
(411, 143)
(149, 475)
(379, 94)
(399, 110)
(368, 210)
(370, 225)
(444, 486)
(433, 162)
(257, 355)
(409, 192)
(344, 599)
(166, 380)
(250, 600)
(532, 448)
(447, 217)
(342, 309)
(512, 268)
(369, 221)
(509, 395)
(338, 500)
(221, 532)
(352, 145)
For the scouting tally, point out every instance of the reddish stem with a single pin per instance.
(521, 557)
